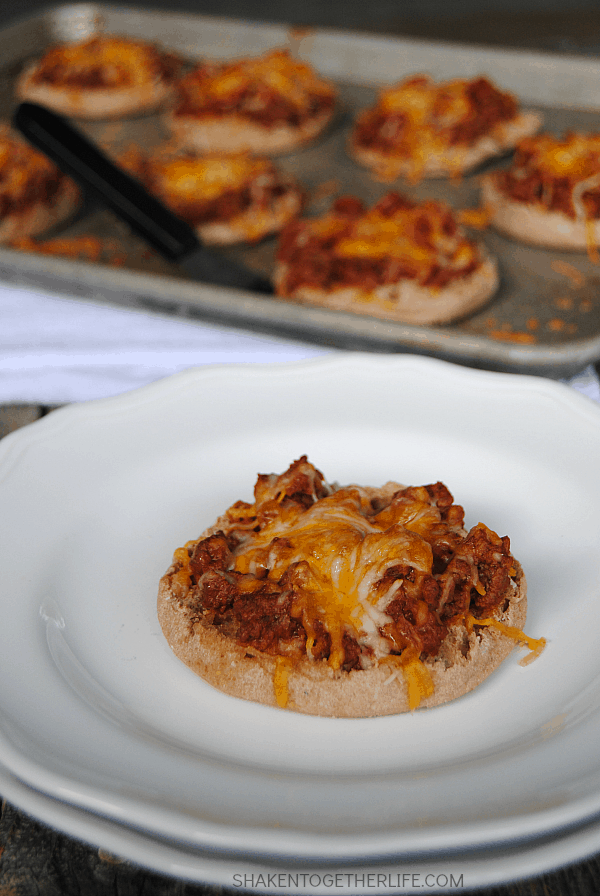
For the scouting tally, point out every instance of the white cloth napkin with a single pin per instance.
(55, 350)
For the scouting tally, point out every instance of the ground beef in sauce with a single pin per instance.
(227, 205)
(312, 261)
(263, 613)
(390, 131)
(39, 189)
(254, 101)
(59, 71)
(26, 178)
(554, 194)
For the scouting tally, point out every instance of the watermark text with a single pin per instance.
(402, 880)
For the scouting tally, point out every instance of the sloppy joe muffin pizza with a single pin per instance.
(344, 601)
(269, 104)
(398, 260)
(107, 76)
(420, 128)
(34, 194)
(227, 199)
(550, 196)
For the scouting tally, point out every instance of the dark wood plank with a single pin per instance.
(38, 860)
(13, 416)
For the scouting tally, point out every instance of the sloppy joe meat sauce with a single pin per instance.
(418, 242)
(26, 177)
(106, 62)
(258, 187)
(546, 170)
(406, 559)
(459, 112)
(269, 91)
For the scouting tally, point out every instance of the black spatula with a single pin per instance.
(94, 172)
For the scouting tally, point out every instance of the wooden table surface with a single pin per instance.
(36, 860)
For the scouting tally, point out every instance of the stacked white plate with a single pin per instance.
(105, 734)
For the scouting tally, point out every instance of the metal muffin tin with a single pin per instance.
(544, 320)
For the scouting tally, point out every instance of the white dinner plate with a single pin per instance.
(95, 709)
(435, 875)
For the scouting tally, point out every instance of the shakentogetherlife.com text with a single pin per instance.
(303, 881)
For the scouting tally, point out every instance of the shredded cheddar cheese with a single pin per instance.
(571, 273)
(182, 577)
(419, 97)
(535, 645)
(563, 168)
(478, 218)
(84, 248)
(418, 678)
(275, 71)
(415, 674)
(417, 120)
(420, 238)
(117, 62)
(576, 156)
(350, 577)
(192, 177)
(590, 238)
(280, 681)
(342, 555)
(21, 167)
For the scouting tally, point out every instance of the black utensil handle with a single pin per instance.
(85, 163)
(170, 235)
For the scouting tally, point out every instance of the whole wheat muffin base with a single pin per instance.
(463, 662)
(235, 134)
(529, 223)
(38, 217)
(96, 103)
(405, 301)
(455, 159)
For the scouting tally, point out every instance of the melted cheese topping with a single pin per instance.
(429, 111)
(577, 156)
(535, 645)
(477, 218)
(332, 556)
(276, 71)
(418, 98)
(342, 555)
(20, 167)
(417, 676)
(123, 62)
(400, 236)
(280, 680)
(183, 577)
(206, 178)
